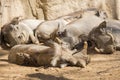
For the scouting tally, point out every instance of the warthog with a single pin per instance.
(48, 29)
(39, 55)
(92, 11)
(73, 32)
(106, 36)
(19, 32)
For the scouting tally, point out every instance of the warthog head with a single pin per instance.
(101, 14)
(12, 34)
(103, 39)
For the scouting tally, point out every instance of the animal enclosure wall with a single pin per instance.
(50, 9)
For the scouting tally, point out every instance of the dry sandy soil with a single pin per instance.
(102, 67)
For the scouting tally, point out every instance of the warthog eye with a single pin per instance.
(11, 29)
(20, 36)
(17, 27)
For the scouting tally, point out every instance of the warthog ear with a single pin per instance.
(15, 20)
(102, 25)
(64, 33)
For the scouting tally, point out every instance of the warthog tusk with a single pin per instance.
(85, 45)
(96, 49)
(58, 40)
(41, 43)
(111, 36)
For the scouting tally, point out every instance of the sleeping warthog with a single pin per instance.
(106, 36)
(72, 32)
(48, 29)
(19, 32)
(38, 55)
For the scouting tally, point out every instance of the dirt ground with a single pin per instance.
(102, 67)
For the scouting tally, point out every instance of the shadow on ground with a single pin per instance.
(42, 76)
(3, 52)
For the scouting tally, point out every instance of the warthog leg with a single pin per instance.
(97, 50)
(54, 60)
(58, 40)
(34, 40)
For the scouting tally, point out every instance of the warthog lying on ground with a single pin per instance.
(39, 55)
(92, 11)
(19, 32)
(74, 31)
(48, 29)
(106, 36)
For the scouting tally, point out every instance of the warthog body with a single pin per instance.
(106, 36)
(39, 55)
(19, 32)
(47, 30)
(74, 31)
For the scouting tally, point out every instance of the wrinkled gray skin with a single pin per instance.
(19, 32)
(106, 36)
(39, 55)
(47, 30)
(72, 33)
